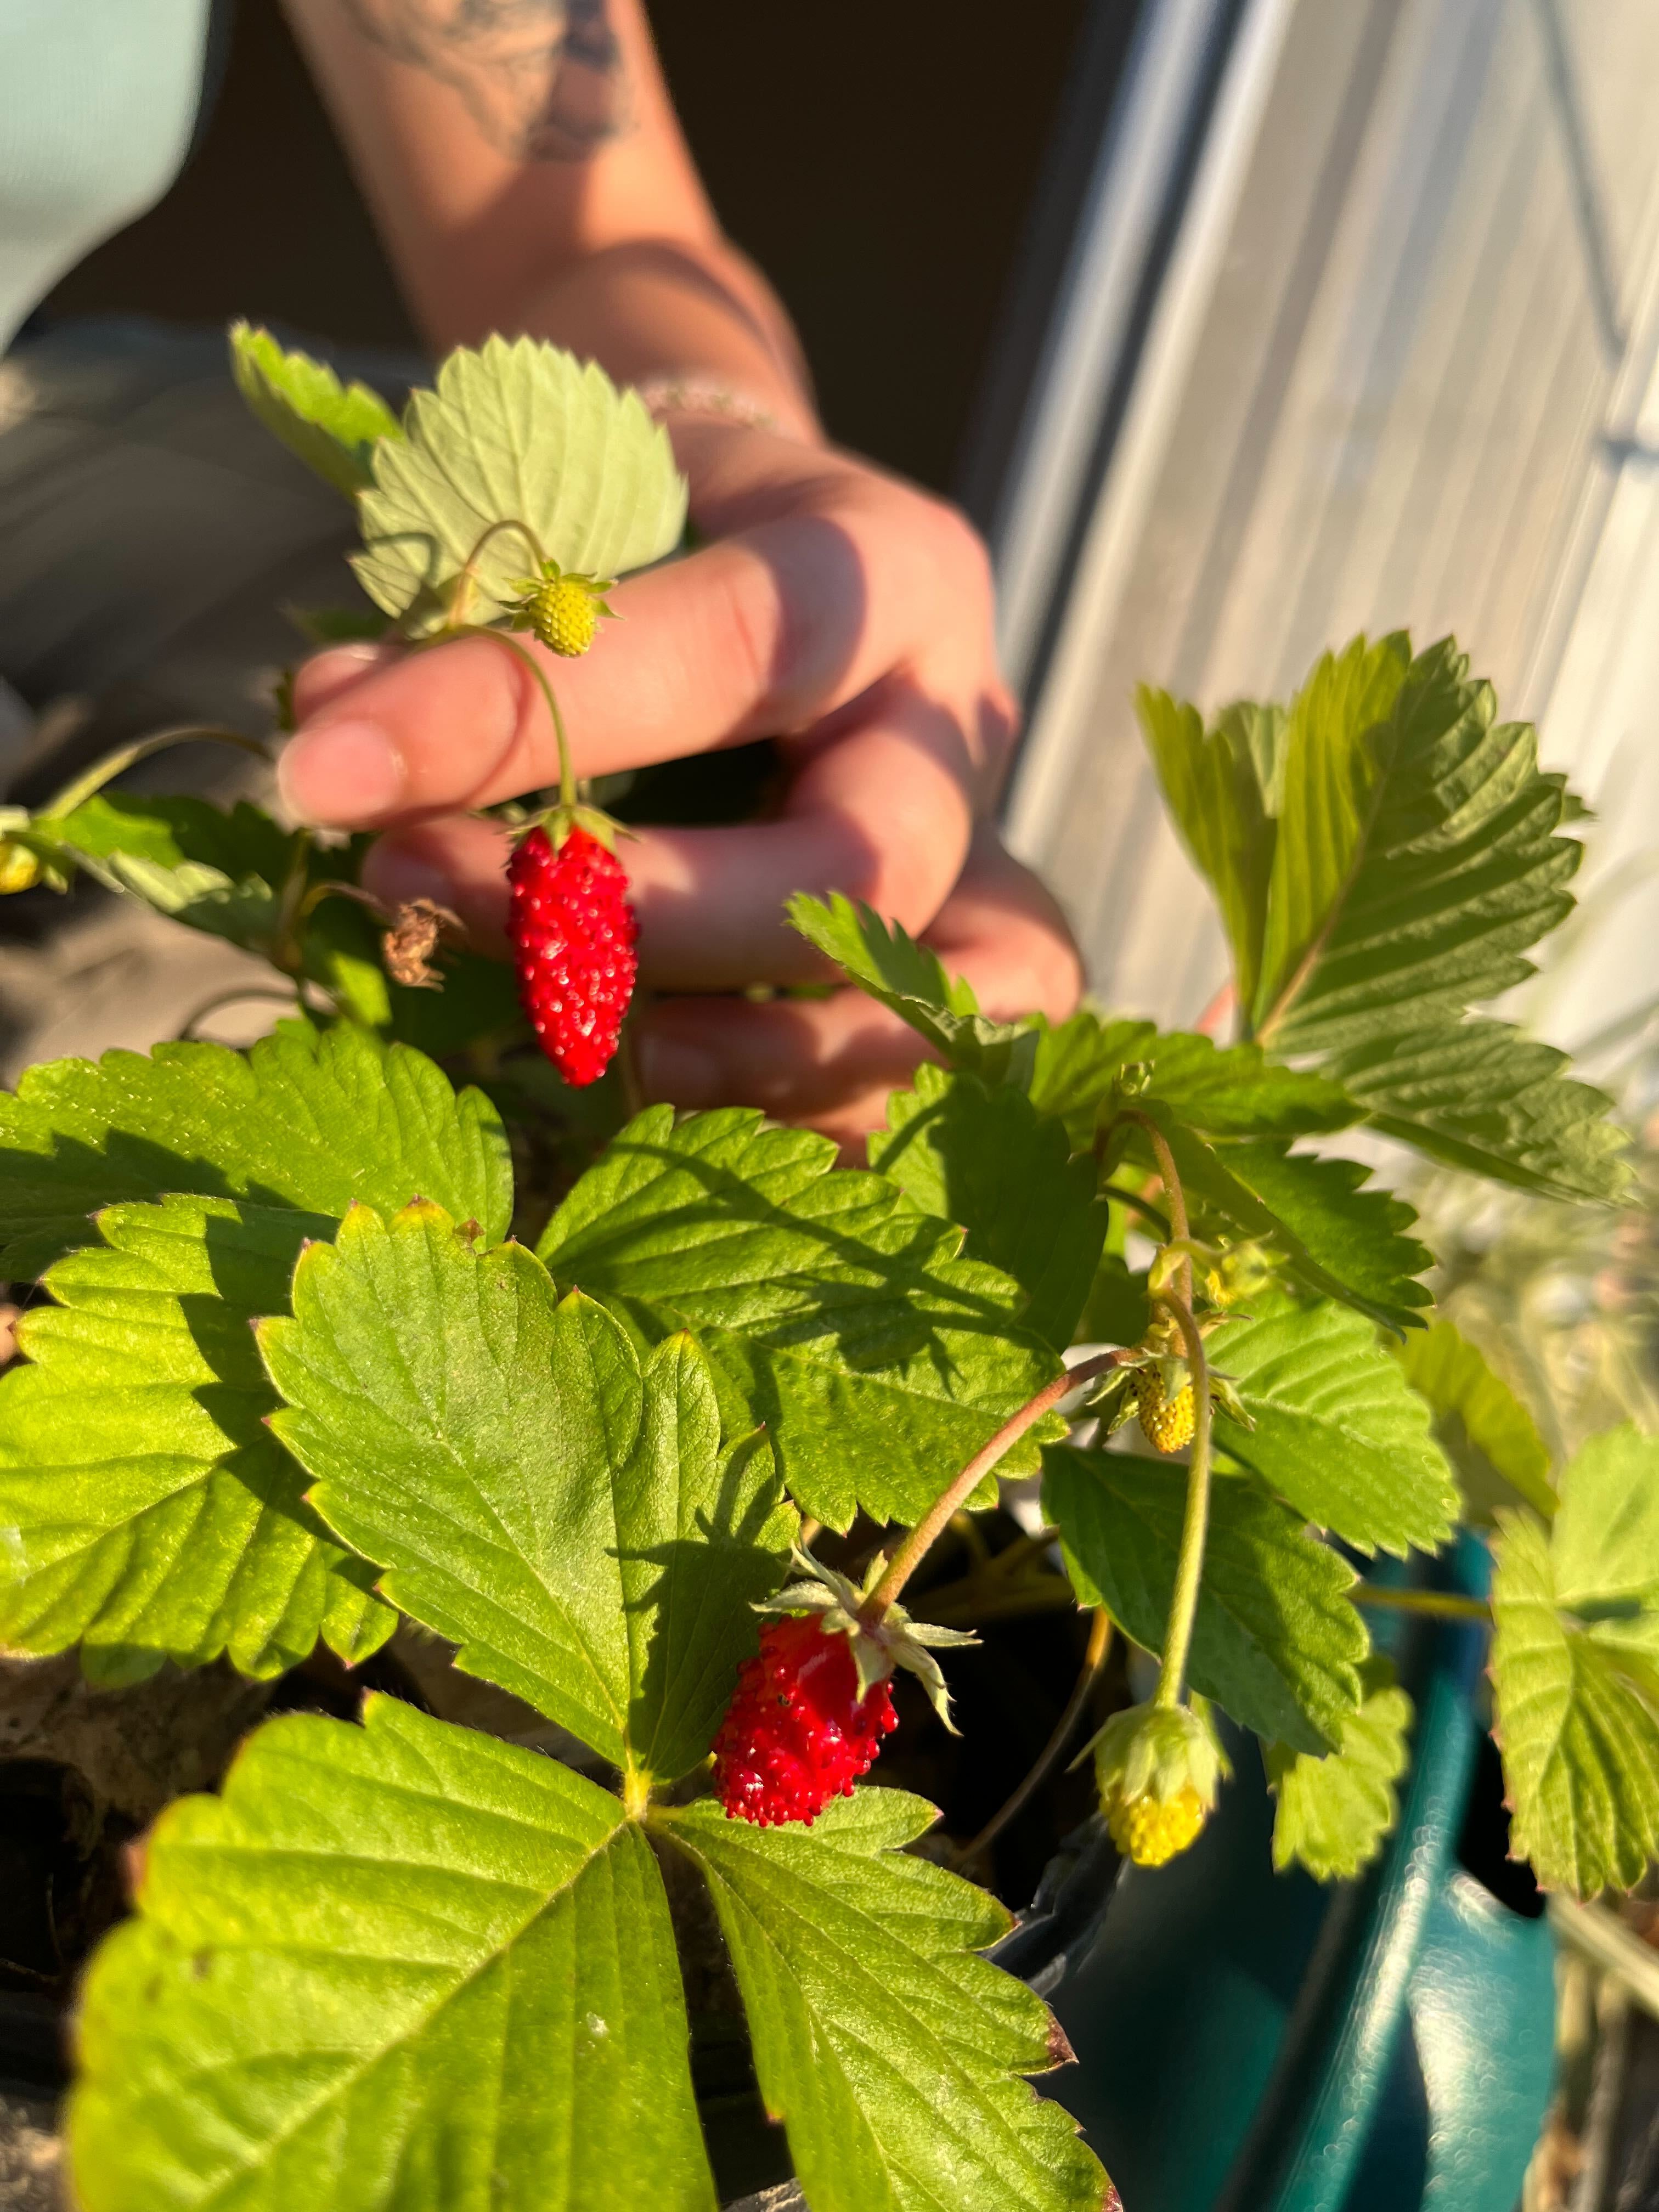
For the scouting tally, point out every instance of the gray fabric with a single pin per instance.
(150, 534)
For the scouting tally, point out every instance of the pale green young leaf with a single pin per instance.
(836, 1313)
(1479, 1095)
(399, 1967)
(909, 980)
(1335, 1809)
(1337, 1432)
(332, 428)
(313, 1120)
(1576, 1719)
(516, 432)
(1342, 1241)
(987, 1160)
(1232, 1090)
(1277, 1641)
(1491, 1439)
(564, 1514)
(151, 1514)
(890, 2053)
(1223, 787)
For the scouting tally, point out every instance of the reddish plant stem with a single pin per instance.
(933, 1524)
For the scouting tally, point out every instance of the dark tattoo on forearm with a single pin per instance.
(543, 79)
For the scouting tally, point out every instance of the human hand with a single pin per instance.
(836, 609)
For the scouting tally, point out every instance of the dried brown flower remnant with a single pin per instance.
(418, 928)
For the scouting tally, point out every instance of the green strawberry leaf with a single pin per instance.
(310, 1120)
(891, 2053)
(987, 1160)
(909, 980)
(1334, 1810)
(1417, 855)
(563, 1513)
(1479, 1095)
(1604, 1546)
(1225, 787)
(1337, 1432)
(1491, 1439)
(152, 1515)
(1342, 1241)
(521, 432)
(834, 1310)
(1575, 1685)
(1277, 1642)
(333, 427)
(111, 826)
(1232, 1090)
(398, 1965)
(1354, 1235)
(1412, 856)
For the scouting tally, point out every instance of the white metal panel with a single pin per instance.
(1401, 373)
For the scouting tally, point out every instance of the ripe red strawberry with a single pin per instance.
(796, 1733)
(574, 933)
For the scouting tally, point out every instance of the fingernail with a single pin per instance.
(677, 1072)
(345, 772)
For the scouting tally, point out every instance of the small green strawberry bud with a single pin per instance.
(1158, 1768)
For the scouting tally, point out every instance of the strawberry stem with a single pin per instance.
(467, 576)
(939, 1515)
(1195, 1524)
(93, 779)
(568, 794)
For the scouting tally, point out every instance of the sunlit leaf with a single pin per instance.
(395, 1968)
(890, 2053)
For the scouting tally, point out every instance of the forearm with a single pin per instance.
(527, 173)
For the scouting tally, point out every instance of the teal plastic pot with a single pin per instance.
(1250, 2042)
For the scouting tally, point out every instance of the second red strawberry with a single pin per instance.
(572, 932)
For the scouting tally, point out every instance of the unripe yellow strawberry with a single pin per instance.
(1151, 1832)
(564, 613)
(20, 869)
(1166, 1424)
(1159, 1769)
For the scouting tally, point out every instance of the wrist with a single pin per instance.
(692, 325)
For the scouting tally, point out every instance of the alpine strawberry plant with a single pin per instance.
(406, 1964)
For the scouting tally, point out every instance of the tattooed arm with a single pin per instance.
(543, 80)
(527, 172)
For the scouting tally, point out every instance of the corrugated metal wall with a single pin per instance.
(1402, 372)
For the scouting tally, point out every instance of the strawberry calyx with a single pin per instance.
(879, 1644)
(564, 815)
